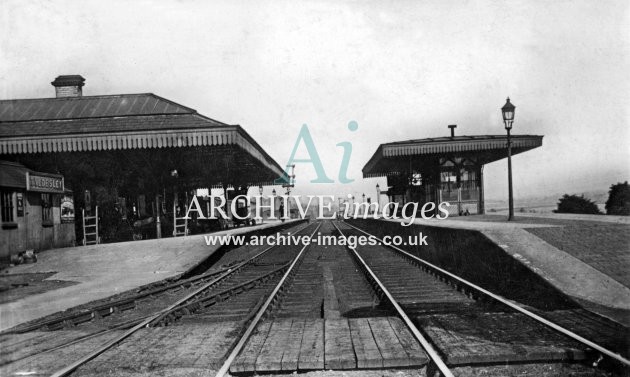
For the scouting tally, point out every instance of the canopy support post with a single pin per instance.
(158, 226)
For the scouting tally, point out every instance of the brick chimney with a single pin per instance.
(68, 86)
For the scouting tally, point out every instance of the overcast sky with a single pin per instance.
(400, 69)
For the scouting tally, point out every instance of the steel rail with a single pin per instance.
(107, 345)
(111, 305)
(235, 351)
(435, 357)
(203, 299)
(82, 339)
(507, 302)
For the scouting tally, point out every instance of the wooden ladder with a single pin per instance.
(180, 224)
(90, 229)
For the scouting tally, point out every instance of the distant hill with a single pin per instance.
(547, 202)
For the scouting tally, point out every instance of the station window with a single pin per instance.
(416, 179)
(6, 202)
(449, 186)
(47, 209)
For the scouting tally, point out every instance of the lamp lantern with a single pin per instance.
(508, 114)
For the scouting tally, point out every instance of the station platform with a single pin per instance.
(585, 256)
(78, 275)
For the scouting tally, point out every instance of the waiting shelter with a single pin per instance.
(443, 169)
(36, 211)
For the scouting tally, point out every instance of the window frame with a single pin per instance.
(9, 210)
(47, 209)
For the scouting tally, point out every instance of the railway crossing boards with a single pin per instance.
(287, 344)
(496, 338)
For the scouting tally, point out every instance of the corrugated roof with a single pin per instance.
(88, 107)
(106, 125)
(114, 122)
(492, 147)
(448, 139)
(459, 144)
(12, 174)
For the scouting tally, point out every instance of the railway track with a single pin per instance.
(288, 309)
(133, 306)
(201, 297)
(432, 306)
(463, 305)
(271, 299)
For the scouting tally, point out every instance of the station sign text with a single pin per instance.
(44, 183)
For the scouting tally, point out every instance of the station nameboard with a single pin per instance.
(41, 182)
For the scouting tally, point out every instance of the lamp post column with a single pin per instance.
(508, 119)
(510, 194)
(158, 225)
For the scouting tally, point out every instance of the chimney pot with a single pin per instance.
(69, 86)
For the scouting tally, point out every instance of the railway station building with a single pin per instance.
(443, 169)
(138, 157)
(36, 211)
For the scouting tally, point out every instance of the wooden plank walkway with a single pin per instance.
(247, 358)
(365, 347)
(496, 338)
(192, 346)
(338, 350)
(270, 356)
(312, 348)
(286, 344)
(392, 351)
(291, 355)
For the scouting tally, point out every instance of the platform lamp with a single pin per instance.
(508, 118)
(260, 192)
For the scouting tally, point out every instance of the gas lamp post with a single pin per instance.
(508, 119)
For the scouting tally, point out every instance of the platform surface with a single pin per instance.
(100, 271)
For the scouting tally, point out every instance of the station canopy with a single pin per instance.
(132, 135)
(425, 154)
